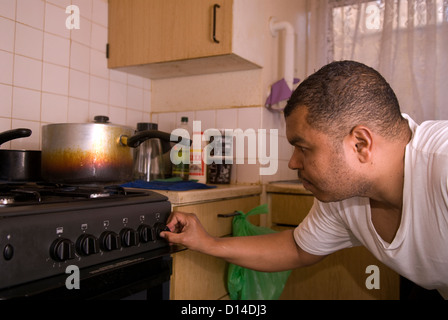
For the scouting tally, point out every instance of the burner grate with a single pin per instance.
(16, 195)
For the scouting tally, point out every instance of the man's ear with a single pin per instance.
(361, 142)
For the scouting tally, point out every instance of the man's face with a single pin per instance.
(323, 168)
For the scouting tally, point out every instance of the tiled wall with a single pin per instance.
(50, 74)
(239, 118)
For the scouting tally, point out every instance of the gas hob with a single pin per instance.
(46, 228)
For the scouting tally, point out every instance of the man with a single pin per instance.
(380, 180)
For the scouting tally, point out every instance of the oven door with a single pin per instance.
(141, 277)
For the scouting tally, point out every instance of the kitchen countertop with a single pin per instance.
(290, 187)
(221, 192)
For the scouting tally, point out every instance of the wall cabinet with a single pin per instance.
(342, 275)
(170, 38)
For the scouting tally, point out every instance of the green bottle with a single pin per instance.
(182, 170)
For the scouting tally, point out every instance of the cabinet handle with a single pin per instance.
(215, 7)
(229, 215)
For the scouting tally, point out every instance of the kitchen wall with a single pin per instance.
(51, 74)
(236, 99)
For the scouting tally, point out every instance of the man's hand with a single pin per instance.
(267, 253)
(187, 230)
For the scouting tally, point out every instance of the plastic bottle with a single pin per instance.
(182, 170)
(198, 169)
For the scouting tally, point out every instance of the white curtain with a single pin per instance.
(405, 40)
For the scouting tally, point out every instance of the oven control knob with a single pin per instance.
(129, 237)
(62, 249)
(87, 245)
(110, 241)
(159, 227)
(146, 233)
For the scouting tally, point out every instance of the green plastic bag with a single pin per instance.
(246, 284)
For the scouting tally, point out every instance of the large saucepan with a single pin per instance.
(86, 153)
(18, 165)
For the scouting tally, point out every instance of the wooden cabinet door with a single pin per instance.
(290, 209)
(153, 31)
(201, 277)
(342, 276)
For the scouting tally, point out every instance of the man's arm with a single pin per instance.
(267, 253)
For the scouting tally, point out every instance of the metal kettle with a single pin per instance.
(148, 157)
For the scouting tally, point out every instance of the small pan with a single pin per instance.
(19, 165)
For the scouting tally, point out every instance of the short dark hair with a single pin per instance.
(345, 94)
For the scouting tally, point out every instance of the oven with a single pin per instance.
(83, 242)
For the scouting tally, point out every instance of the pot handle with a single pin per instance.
(142, 136)
(14, 134)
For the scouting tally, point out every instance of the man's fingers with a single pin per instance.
(171, 237)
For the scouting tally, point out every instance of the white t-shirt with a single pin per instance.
(419, 251)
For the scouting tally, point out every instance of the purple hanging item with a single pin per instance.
(279, 92)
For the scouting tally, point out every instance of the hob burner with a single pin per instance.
(30, 194)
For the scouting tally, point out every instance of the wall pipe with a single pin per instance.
(275, 27)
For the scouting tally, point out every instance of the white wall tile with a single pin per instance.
(274, 120)
(98, 64)
(6, 67)
(5, 125)
(97, 109)
(56, 50)
(147, 84)
(54, 108)
(133, 117)
(135, 81)
(83, 34)
(119, 76)
(249, 118)
(55, 79)
(31, 13)
(29, 41)
(79, 57)
(27, 73)
(226, 119)
(98, 39)
(147, 101)
(60, 3)
(247, 173)
(99, 12)
(99, 90)
(5, 100)
(134, 98)
(78, 111)
(7, 31)
(55, 18)
(146, 117)
(154, 118)
(117, 94)
(85, 8)
(167, 121)
(207, 118)
(8, 9)
(26, 104)
(79, 84)
(117, 115)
